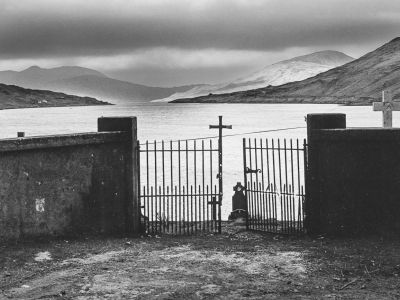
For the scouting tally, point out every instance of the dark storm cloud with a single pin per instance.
(30, 29)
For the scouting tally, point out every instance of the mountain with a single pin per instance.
(12, 96)
(359, 82)
(86, 82)
(111, 89)
(295, 69)
(35, 76)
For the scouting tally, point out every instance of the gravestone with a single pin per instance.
(387, 106)
(239, 205)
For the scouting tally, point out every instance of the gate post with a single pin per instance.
(129, 125)
(313, 202)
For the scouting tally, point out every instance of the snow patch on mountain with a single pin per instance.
(295, 69)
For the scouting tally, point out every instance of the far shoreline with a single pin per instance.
(50, 106)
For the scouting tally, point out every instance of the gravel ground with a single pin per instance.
(234, 265)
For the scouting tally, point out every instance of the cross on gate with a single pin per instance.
(387, 106)
(219, 176)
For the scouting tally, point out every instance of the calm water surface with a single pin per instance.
(157, 121)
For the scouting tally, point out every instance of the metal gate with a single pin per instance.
(181, 185)
(274, 175)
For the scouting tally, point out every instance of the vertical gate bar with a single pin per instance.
(262, 201)
(267, 150)
(290, 185)
(139, 187)
(155, 181)
(274, 186)
(292, 203)
(276, 202)
(147, 167)
(299, 208)
(254, 192)
(249, 215)
(203, 184)
(217, 209)
(164, 198)
(176, 210)
(152, 211)
(288, 188)
(251, 211)
(187, 186)
(303, 198)
(169, 216)
(161, 213)
(191, 208)
(257, 194)
(211, 180)
(220, 185)
(207, 201)
(195, 183)
(184, 221)
(179, 186)
(304, 192)
(245, 183)
(146, 213)
(286, 199)
(280, 177)
(283, 197)
(262, 185)
(199, 199)
(172, 185)
(270, 212)
(282, 201)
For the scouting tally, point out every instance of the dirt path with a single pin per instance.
(233, 265)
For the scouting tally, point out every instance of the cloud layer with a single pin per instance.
(124, 31)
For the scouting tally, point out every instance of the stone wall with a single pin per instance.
(353, 182)
(68, 184)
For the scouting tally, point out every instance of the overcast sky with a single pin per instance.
(174, 42)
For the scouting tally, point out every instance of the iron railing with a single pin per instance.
(274, 174)
(178, 194)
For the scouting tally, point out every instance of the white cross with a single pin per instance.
(387, 106)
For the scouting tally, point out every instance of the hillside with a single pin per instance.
(108, 88)
(359, 82)
(34, 76)
(12, 96)
(86, 82)
(295, 69)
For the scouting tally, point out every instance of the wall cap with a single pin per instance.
(62, 140)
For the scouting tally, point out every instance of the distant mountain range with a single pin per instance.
(358, 82)
(86, 82)
(12, 96)
(295, 69)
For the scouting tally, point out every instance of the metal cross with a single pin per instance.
(220, 127)
(387, 106)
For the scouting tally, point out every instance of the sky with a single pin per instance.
(178, 42)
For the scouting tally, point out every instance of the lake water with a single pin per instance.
(157, 121)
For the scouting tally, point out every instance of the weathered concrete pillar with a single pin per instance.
(313, 203)
(128, 124)
(324, 121)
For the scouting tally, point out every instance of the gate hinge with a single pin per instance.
(248, 170)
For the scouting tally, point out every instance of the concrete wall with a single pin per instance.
(353, 182)
(57, 185)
